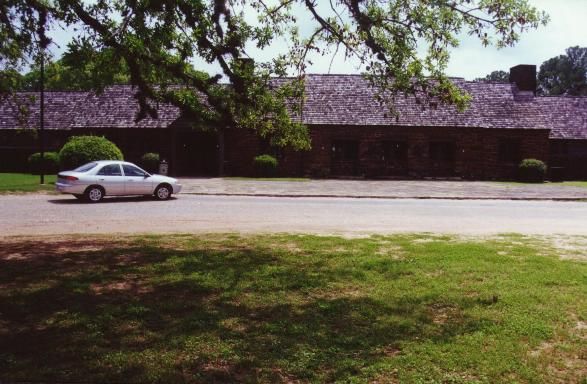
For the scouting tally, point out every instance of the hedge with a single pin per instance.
(82, 149)
(150, 162)
(50, 161)
(265, 165)
(532, 171)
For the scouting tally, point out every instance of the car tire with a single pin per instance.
(94, 194)
(163, 192)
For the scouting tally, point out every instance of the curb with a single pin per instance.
(380, 197)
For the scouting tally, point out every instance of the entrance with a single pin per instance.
(345, 158)
(197, 154)
(442, 158)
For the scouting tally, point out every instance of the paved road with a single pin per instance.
(56, 214)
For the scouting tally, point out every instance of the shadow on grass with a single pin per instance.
(89, 311)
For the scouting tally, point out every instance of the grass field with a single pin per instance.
(582, 184)
(573, 183)
(285, 308)
(24, 182)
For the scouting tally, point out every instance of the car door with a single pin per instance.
(135, 182)
(110, 177)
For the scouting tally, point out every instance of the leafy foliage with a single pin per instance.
(50, 163)
(82, 149)
(265, 165)
(565, 74)
(156, 41)
(150, 162)
(532, 171)
(496, 76)
(80, 68)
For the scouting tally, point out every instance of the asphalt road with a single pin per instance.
(55, 214)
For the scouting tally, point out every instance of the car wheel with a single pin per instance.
(94, 194)
(163, 192)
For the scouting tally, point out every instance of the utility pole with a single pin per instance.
(42, 116)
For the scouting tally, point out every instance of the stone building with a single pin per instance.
(353, 135)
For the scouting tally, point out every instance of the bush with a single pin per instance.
(150, 162)
(532, 171)
(50, 163)
(82, 149)
(265, 165)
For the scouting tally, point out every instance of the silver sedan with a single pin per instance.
(93, 181)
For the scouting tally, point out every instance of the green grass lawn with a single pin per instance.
(23, 182)
(582, 184)
(288, 308)
(573, 183)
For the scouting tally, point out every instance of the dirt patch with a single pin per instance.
(26, 249)
(441, 314)
(564, 356)
(131, 284)
(571, 247)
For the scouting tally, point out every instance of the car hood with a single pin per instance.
(162, 179)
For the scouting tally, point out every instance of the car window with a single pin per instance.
(85, 167)
(131, 170)
(110, 170)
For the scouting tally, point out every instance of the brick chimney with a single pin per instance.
(524, 76)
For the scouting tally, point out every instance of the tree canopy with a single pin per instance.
(497, 76)
(403, 45)
(565, 74)
(79, 69)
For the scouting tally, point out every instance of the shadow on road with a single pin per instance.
(107, 200)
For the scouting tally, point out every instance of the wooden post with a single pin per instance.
(42, 117)
(220, 153)
(173, 160)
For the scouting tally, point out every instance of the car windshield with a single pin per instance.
(85, 167)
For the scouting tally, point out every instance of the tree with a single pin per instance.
(157, 39)
(565, 74)
(497, 76)
(80, 68)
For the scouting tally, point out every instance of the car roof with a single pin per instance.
(112, 162)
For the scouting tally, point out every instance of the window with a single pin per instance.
(395, 151)
(130, 170)
(442, 151)
(110, 170)
(345, 150)
(85, 167)
(509, 151)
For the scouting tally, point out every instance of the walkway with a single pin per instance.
(391, 189)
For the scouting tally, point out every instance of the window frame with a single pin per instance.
(98, 173)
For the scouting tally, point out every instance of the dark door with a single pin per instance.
(442, 158)
(395, 157)
(197, 154)
(345, 158)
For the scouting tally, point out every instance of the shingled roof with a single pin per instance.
(330, 100)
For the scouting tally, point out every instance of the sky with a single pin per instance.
(567, 27)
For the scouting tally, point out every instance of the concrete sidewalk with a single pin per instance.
(385, 189)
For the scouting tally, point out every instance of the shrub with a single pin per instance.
(82, 149)
(532, 171)
(50, 163)
(265, 165)
(320, 172)
(150, 162)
